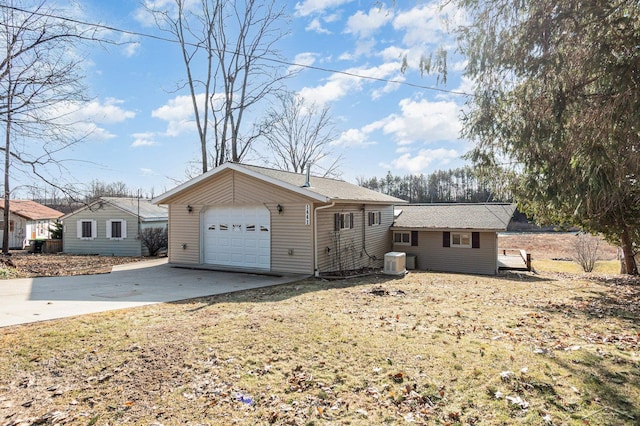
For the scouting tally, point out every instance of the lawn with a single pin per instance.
(427, 348)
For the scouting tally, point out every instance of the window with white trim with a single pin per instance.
(461, 239)
(116, 229)
(87, 229)
(402, 238)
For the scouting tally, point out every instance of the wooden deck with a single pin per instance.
(514, 260)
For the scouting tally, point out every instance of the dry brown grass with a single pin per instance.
(560, 347)
(430, 348)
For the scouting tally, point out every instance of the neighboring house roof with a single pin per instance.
(31, 210)
(321, 189)
(490, 217)
(142, 207)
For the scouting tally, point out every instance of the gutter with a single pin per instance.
(315, 237)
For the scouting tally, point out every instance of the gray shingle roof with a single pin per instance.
(321, 189)
(147, 211)
(495, 217)
(334, 189)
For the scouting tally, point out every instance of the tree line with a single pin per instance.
(460, 185)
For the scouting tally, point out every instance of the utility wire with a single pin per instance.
(283, 62)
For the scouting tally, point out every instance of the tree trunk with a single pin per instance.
(7, 163)
(630, 266)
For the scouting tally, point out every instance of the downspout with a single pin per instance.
(315, 236)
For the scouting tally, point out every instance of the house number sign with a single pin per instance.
(307, 215)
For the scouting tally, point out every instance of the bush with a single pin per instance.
(55, 231)
(586, 251)
(154, 239)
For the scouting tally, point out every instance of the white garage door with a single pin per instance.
(238, 236)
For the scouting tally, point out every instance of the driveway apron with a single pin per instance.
(137, 284)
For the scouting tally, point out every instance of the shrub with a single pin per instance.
(55, 231)
(154, 239)
(586, 251)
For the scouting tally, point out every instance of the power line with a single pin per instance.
(283, 62)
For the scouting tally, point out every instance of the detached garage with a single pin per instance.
(250, 218)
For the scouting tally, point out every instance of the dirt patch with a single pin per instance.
(27, 265)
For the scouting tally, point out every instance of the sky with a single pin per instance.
(141, 123)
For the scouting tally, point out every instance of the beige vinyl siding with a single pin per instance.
(345, 249)
(430, 255)
(229, 188)
(184, 234)
(289, 232)
(129, 246)
(233, 188)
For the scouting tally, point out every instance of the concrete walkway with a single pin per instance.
(135, 284)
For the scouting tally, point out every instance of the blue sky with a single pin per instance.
(142, 131)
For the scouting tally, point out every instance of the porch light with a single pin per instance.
(280, 209)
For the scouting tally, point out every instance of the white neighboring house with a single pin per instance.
(110, 226)
(28, 220)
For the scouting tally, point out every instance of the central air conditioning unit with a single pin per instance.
(395, 263)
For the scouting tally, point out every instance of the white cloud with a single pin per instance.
(107, 112)
(359, 137)
(427, 23)
(354, 137)
(364, 25)
(335, 88)
(340, 85)
(178, 113)
(146, 172)
(309, 7)
(419, 163)
(131, 48)
(87, 119)
(143, 139)
(316, 26)
(424, 121)
(303, 59)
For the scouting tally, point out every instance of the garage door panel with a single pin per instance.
(237, 236)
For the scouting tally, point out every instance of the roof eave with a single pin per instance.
(163, 198)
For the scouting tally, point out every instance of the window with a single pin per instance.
(402, 238)
(461, 239)
(87, 229)
(375, 218)
(343, 221)
(116, 229)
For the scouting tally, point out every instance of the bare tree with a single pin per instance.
(226, 47)
(154, 239)
(38, 81)
(299, 134)
(586, 251)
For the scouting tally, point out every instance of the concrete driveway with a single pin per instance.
(135, 284)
